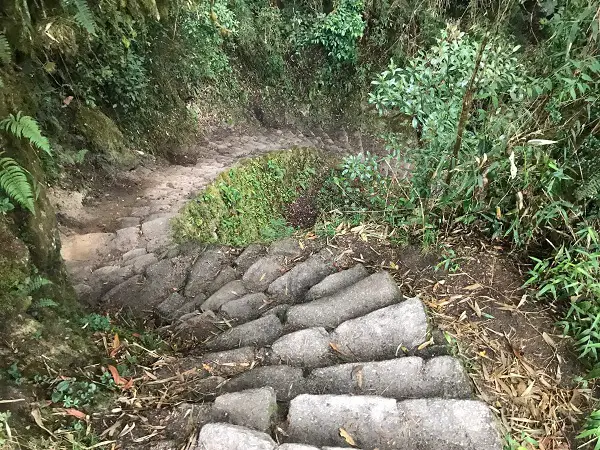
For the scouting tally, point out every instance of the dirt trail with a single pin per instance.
(133, 213)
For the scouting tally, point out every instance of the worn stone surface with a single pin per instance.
(229, 363)
(399, 378)
(337, 282)
(204, 271)
(371, 421)
(249, 256)
(383, 333)
(198, 326)
(168, 309)
(259, 332)
(263, 272)
(156, 232)
(231, 291)
(140, 263)
(296, 447)
(184, 419)
(466, 425)
(293, 285)
(127, 239)
(278, 310)
(134, 253)
(226, 275)
(288, 247)
(288, 382)
(252, 408)
(205, 389)
(305, 348)
(369, 294)
(221, 436)
(248, 307)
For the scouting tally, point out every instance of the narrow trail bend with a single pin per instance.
(297, 347)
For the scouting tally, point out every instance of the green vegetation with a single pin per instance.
(246, 203)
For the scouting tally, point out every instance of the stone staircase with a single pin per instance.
(290, 348)
(335, 349)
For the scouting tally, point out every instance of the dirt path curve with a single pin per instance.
(132, 215)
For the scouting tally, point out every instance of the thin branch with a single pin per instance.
(466, 106)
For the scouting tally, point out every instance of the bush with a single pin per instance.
(246, 203)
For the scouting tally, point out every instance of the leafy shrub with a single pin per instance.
(338, 31)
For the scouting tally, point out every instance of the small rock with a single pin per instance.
(252, 408)
(248, 307)
(287, 247)
(258, 333)
(204, 271)
(142, 262)
(221, 436)
(262, 273)
(383, 333)
(184, 419)
(127, 239)
(231, 291)
(337, 282)
(288, 382)
(229, 363)
(199, 326)
(249, 256)
(307, 348)
(278, 310)
(293, 285)
(167, 309)
(133, 253)
(226, 275)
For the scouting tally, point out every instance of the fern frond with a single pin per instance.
(26, 126)
(84, 16)
(34, 283)
(45, 303)
(589, 189)
(5, 53)
(14, 181)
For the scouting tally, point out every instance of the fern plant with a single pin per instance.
(14, 181)
(590, 188)
(83, 15)
(5, 53)
(26, 126)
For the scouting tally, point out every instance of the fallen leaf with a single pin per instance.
(357, 374)
(473, 287)
(349, 440)
(67, 100)
(37, 417)
(548, 340)
(76, 413)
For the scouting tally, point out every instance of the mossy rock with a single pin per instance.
(104, 136)
(14, 270)
(243, 201)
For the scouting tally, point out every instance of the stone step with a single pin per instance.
(401, 378)
(365, 296)
(337, 282)
(258, 333)
(383, 423)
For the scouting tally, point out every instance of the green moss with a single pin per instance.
(14, 269)
(247, 199)
(104, 135)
